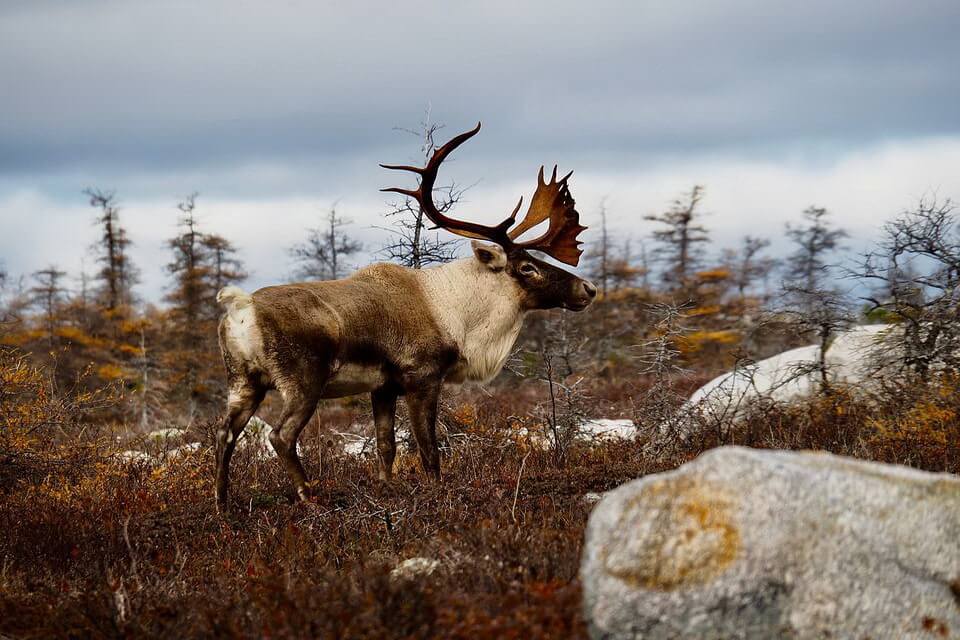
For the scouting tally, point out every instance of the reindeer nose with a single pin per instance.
(590, 288)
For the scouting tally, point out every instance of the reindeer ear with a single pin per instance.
(491, 255)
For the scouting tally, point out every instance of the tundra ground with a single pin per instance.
(98, 547)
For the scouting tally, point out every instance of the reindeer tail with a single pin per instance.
(233, 297)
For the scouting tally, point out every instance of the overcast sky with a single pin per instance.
(274, 110)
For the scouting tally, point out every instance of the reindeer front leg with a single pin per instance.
(384, 402)
(422, 401)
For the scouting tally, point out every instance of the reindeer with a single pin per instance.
(392, 331)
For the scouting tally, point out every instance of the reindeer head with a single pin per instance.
(543, 285)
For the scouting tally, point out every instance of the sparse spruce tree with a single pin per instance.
(323, 256)
(48, 294)
(200, 266)
(190, 270)
(747, 266)
(807, 268)
(107, 320)
(117, 275)
(680, 249)
(225, 267)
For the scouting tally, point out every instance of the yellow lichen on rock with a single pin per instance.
(685, 536)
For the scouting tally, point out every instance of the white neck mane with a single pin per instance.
(479, 310)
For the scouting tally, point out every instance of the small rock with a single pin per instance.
(590, 430)
(413, 568)
(607, 429)
(354, 445)
(161, 436)
(744, 543)
(135, 456)
(182, 452)
(591, 498)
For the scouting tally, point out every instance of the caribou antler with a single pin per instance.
(552, 200)
(424, 195)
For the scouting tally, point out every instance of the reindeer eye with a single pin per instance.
(528, 269)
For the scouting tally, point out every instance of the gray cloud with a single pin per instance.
(125, 85)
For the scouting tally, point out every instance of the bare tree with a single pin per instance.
(322, 256)
(661, 405)
(679, 243)
(917, 267)
(117, 275)
(557, 350)
(413, 244)
(823, 313)
(149, 402)
(623, 273)
(600, 254)
(644, 267)
(815, 240)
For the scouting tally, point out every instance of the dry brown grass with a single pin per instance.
(123, 549)
(94, 547)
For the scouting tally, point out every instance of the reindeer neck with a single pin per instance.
(479, 310)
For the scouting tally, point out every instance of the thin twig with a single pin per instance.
(133, 557)
(516, 491)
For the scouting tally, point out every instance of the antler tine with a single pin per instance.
(552, 201)
(516, 210)
(401, 167)
(424, 195)
(406, 192)
(553, 176)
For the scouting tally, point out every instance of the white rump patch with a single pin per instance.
(243, 333)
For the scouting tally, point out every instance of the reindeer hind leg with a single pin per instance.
(242, 402)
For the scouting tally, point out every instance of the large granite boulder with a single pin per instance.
(744, 543)
(854, 357)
